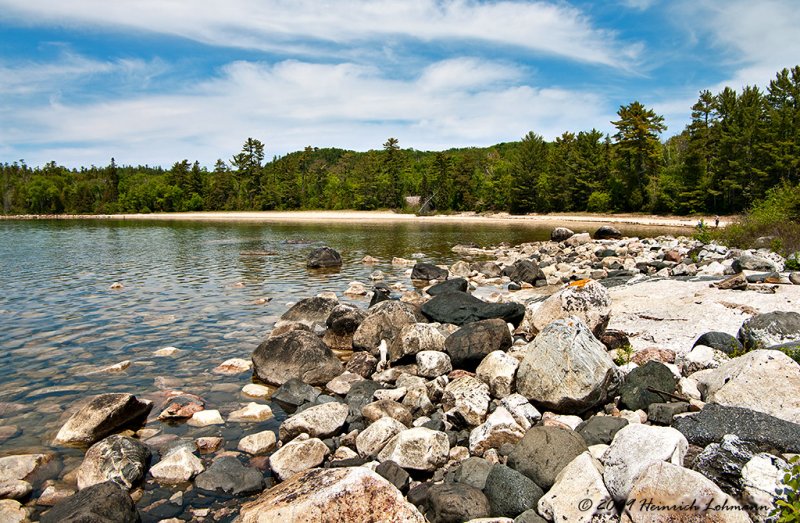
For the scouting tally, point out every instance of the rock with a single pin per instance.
(509, 492)
(394, 474)
(52, 495)
(712, 423)
(735, 282)
(363, 364)
(763, 380)
(101, 502)
(384, 321)
(497, 370)
(531, 516)
(768, 329)
(614, 339)
(633, 449)
(166, 352)
(428, 271)
(258, 443)
(499, 429)
(524, 271)
(100, 416)
(722, 462)
(761, 477)
(120, 459)
(296, 354)
(654, 354)
(311, 311)
(356, 288)
(544, 451)
(521, 410)
(254, 390)
(488, 269)
(748, 262)
(567, 369)
(252, 412)
(300, 454)
(378, 409)
(323, 257)
(374, 438)
(22, 466)
(455, 502)
(635, 392)
(700, 358)
(451, 285)
(721, 341)
(414, 338)
(607, 232)
(178, 466)
(341, 384)
(7, 432)
(460, 308)
(467, 398)
(663, 413)
(344, 319)
(470, 344)
(204, 418)
(432, 364)
(600, 429)
(694, 497)
(227, 474)
(339, 494)
(232, 366)
(319, 421)
(208, 444)
(181, 406)
(578, 239)
(579, 494)
(472, 471)
(294, 393)
(418, 449)
(559, 234)
(586, 299)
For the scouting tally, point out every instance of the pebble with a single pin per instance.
(204, 418)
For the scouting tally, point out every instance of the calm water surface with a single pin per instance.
(182, 287)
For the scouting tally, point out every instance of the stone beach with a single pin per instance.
(576, 379)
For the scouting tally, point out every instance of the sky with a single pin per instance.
(151, 82)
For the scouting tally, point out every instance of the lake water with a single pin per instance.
(194, 286)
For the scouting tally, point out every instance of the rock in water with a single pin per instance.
(560, 234)
(772, 328)
(311, 311)
(587, 300)
(178, 466)
(460, 308)
(607, 232)
(323, 257)
(339, 494)
(470, 344)
(300, 454)
(102, 415)
(228, 475)
(98, 503)
(120, 459)
(296, 354)
(384, 321)
(566, 368)
(428, 271)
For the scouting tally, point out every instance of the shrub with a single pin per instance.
(599, 202)
(788, 504)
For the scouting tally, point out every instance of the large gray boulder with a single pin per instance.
(510, 493)
(337, 494)
(120, 459)
(323, 257)
(227, 474)
(607, 232)
(768, 329)
(100, 416)
(296, 354)
(566, 369)
(311, 311)
(587, 300)
(636, 391)
(470, 344)
(460, 308)
(99, 503)
(544, 451)
(384, 321)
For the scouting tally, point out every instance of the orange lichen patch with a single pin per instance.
(579, 283)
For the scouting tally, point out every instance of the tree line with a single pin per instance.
(738, 145)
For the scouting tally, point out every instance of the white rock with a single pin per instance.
(341, 384)
(256, 391)
(598, 450)
(356, 289)
(591, 302)
(700, 357)
(177, 467)
(579, 494)
(233, 366)
(419, 448)
(302, 453)
(578, 239)
(166, 352)
(390, 394)
(635, 447)
(688, 388)
(258, 443)
(500, 428)
(467, 396)
(250, 413)
(570, 422)
(12, 511)
(416, 337)
(761, 477)
(204, 418)
(460, 269)
(374, 438)
(497, 370)
(521, 409)
(432, 364)
(319, 421)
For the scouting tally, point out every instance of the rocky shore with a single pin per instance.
(587, 378)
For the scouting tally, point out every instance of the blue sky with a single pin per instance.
(156, 81)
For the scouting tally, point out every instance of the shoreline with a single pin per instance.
(555, 219)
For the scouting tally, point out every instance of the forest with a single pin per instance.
(738, 145)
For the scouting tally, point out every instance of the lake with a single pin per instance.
(195, 286)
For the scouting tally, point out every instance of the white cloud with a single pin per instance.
(641, 5)
(293, 104)
(294, 26)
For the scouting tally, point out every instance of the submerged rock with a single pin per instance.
(228, 475)
(101, 502)
(323, 257)
(296, 354)
(100, 416)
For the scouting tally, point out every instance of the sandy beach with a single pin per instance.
(555, 219)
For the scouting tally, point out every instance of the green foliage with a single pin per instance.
(599, 202)
(788, 503)
(624, 355)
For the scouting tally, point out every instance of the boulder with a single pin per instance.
(559, 234)
(384, 321)
(14, 489)
(311, 311)
(581, 238)
(460, 308)
(470, 344)
(101, 502)
(664, 413)
(722, 462)
(342, 383)
(456, 502)
(13, 512)
(499, 429)
(636, 391)
(633, 449)
(585, 299)
(319, 421)
(344, 319)
(712, 423)
(337, 494)
(428, 271)
(378, 409)
(668, 493)
(258, 443)
(178, 466)
(565, 368)
(414, 338)
(768, 329)
(497, 370)
(371, 440)
(227, 474)
(721, 341)
(524, 271)
(451, 285)
(300, 454)
(100, 416)
(432, 364)
(394, 474)
(323, 257)
(359, 396)
(761, 478)
(294, 393)
(488, 269)
(120, 459)
(522, 411)
(472, 471)
(362, 363)
(544, 451)
(607, 232)
(749, 262)
(466, 399)
(600, 429)
(296, 354)
(700, 358)
(579, 494)
(509, 492)
(419, 448)
(762, 380)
